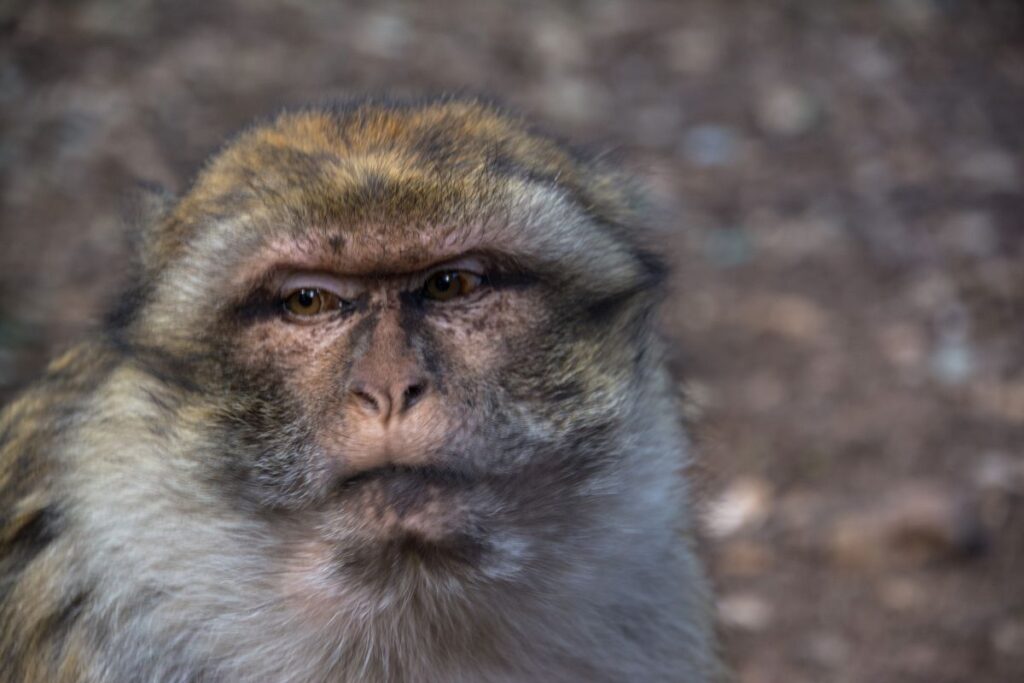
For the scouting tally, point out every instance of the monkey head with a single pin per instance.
(420, 335)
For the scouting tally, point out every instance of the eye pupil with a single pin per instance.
(307, 301)
(447, 285)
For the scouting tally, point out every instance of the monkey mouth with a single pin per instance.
(406, 476)
(424, 502)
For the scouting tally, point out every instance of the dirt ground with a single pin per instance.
(844, 185)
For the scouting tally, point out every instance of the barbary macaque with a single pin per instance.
(385, 402)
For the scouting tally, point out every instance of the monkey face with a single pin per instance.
(422, 329)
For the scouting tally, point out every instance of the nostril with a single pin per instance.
(366, 398)
(412, 394)
(383, 403)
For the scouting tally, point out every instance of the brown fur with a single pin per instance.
(484, 489)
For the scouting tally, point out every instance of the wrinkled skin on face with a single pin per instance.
(386, 404)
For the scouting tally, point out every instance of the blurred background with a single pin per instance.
(845, 186)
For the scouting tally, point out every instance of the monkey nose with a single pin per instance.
(384, 399)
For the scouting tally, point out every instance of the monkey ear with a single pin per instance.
(145, 208)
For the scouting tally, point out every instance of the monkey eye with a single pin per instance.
(310, 301)
(305, 296)
(446, 285)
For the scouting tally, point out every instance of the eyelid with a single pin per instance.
(469, 264)
(342, 288)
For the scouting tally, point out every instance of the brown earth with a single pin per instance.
(845, 185)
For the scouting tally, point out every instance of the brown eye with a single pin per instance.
(309, 301)
(448, 284)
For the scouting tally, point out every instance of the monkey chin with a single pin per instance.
(410, 513)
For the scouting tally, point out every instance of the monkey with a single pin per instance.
(385, 401)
